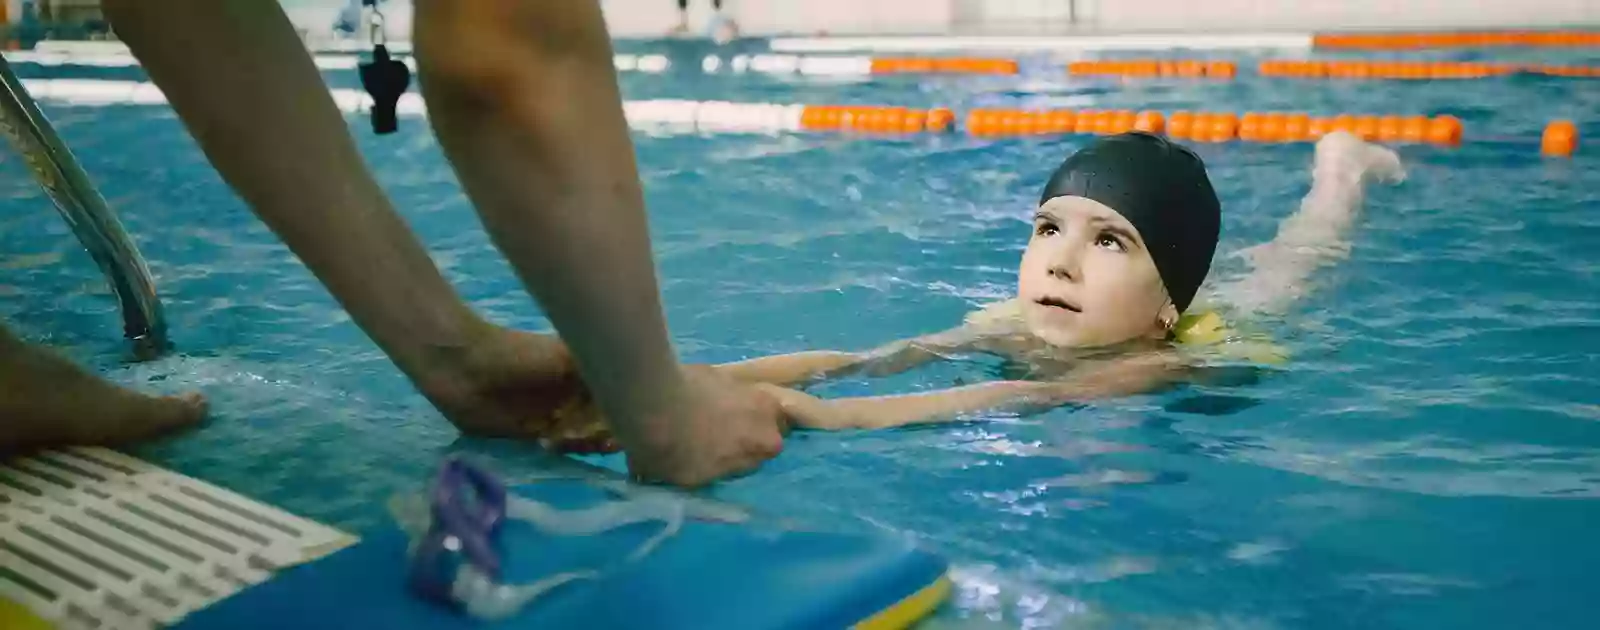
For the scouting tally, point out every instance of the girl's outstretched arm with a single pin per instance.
(1121, 377)
(1314, 235)
(893, 358)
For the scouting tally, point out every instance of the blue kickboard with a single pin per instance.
(708, 576)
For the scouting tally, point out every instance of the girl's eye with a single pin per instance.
(1046, 229)
(1110, 242)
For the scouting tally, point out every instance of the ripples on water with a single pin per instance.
(1428, 458)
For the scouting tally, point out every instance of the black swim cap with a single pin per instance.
(1163, 190)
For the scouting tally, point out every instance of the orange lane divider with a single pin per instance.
(1359, 69)
(1399, 41)
(1215, 126)
(1013, 122)
(1565, 71)
(875, 119)
(1155, 68)
(944, 65)
(1292, 127)
(1560, 139)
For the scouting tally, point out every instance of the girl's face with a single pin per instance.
(1087, 279)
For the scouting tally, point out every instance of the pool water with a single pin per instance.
(1430, 457)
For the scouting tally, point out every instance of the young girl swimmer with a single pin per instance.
(1121, 243)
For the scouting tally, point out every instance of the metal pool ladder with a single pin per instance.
(86, 212)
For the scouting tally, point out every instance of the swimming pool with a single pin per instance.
(1430, 456)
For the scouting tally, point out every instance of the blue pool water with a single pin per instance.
(1431, 457)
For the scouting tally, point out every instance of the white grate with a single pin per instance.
(91, 538)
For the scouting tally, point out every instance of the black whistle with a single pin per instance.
(385, 79)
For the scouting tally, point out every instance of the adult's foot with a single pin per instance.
(48, 401)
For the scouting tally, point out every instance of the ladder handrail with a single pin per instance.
(86, 212)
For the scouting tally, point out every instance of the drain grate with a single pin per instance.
(92, 538)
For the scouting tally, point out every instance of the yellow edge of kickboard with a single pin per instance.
(903, 614)
(910, 610)
(14, 616)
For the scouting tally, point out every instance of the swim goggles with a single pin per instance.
(457, 558)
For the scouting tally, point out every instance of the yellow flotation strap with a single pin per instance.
(1208, 329)
(1201, 329)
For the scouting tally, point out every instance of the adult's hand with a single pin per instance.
(520, 385)
(719, 427)
(512, 384)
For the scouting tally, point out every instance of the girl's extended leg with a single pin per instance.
(1315, 234)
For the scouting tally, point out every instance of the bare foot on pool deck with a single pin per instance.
(47, 401)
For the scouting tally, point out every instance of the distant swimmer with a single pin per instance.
(722, 29)
(348, 20)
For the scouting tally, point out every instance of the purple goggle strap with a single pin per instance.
(468, 505)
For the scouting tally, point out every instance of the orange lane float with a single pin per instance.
(1362, 69)
(1155, 68)
(1012, 122)
(1274, 127)
(1412, 70)
(1560, 139)
(1564, 71)
(875, 119)
(1480, 39)
(943, 65)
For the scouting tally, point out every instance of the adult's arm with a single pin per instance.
(563, 203)
(523, 97)
(247, 89)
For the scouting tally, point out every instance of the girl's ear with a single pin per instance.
(1167, 317)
